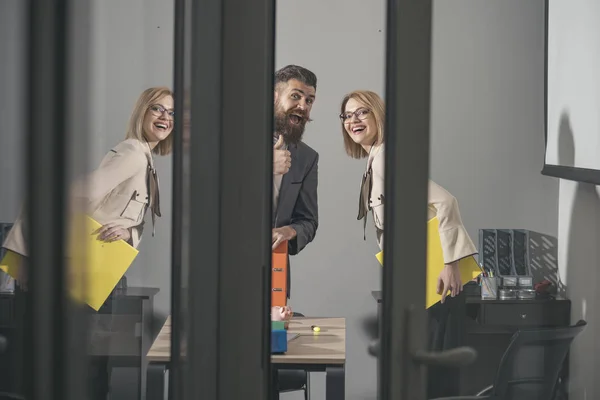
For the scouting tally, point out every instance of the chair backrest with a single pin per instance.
(530, 366)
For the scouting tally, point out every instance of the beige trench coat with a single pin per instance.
(119, 191)
(456, 243)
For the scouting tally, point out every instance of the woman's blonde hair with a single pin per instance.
(135, 127)
(374, 103)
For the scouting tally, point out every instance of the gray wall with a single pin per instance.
(12, 78)
(488, 113)
(579, 258)
(487, 139)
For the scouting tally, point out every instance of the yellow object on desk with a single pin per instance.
(469, 269)
(95, 267)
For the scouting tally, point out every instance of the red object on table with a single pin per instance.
(279, 273)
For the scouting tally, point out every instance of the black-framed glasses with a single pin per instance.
(361, 114)
(158, 110)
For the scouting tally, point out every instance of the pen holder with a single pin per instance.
(489, 288)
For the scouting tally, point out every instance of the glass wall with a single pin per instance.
(144, 194)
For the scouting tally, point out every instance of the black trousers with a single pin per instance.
(446, 331)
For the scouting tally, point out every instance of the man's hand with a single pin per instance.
(279, 313)
(281, 234)
(282, 159)
(112, 232)
(449, 280)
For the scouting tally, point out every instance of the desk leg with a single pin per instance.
(335, 383)
(156, 381)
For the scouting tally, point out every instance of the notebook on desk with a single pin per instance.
(292, 336)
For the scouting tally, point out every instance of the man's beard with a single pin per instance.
(291, 132)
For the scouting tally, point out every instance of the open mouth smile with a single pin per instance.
(357, 130)
(161, 126)
(296, 119)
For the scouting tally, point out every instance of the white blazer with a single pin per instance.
(119, 191)
(456, 243)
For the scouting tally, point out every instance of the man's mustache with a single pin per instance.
(301, 114)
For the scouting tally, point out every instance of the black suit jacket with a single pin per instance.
(297, 203)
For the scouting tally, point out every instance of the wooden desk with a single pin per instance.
(120, 331)
(324, 351)
(131, 313)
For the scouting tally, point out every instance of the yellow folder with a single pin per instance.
(95, 267)
(469, 269)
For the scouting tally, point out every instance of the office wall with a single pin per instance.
(487, 140)
(12, 107)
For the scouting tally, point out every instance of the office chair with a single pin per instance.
(524, 374)
(293, 380)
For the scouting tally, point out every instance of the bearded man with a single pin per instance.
(295, 173)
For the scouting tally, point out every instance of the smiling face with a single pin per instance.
(359, 123)
(158, 121)
(293, 103)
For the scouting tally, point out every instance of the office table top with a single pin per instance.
(325, 347)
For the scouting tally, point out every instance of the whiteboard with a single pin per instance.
(573, 85)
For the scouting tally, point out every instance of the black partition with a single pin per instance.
(54, 335)
(224, 71)
(407, 95)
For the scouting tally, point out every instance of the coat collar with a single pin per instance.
(153, 184)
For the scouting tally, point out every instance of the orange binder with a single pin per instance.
(279, 273)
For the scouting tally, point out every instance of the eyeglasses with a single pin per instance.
(158, 110)
(361, 114)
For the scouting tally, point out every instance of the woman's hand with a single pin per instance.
(449, 280)
(112, 232)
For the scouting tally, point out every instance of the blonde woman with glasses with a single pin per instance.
(117, 195)
(362, 117)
